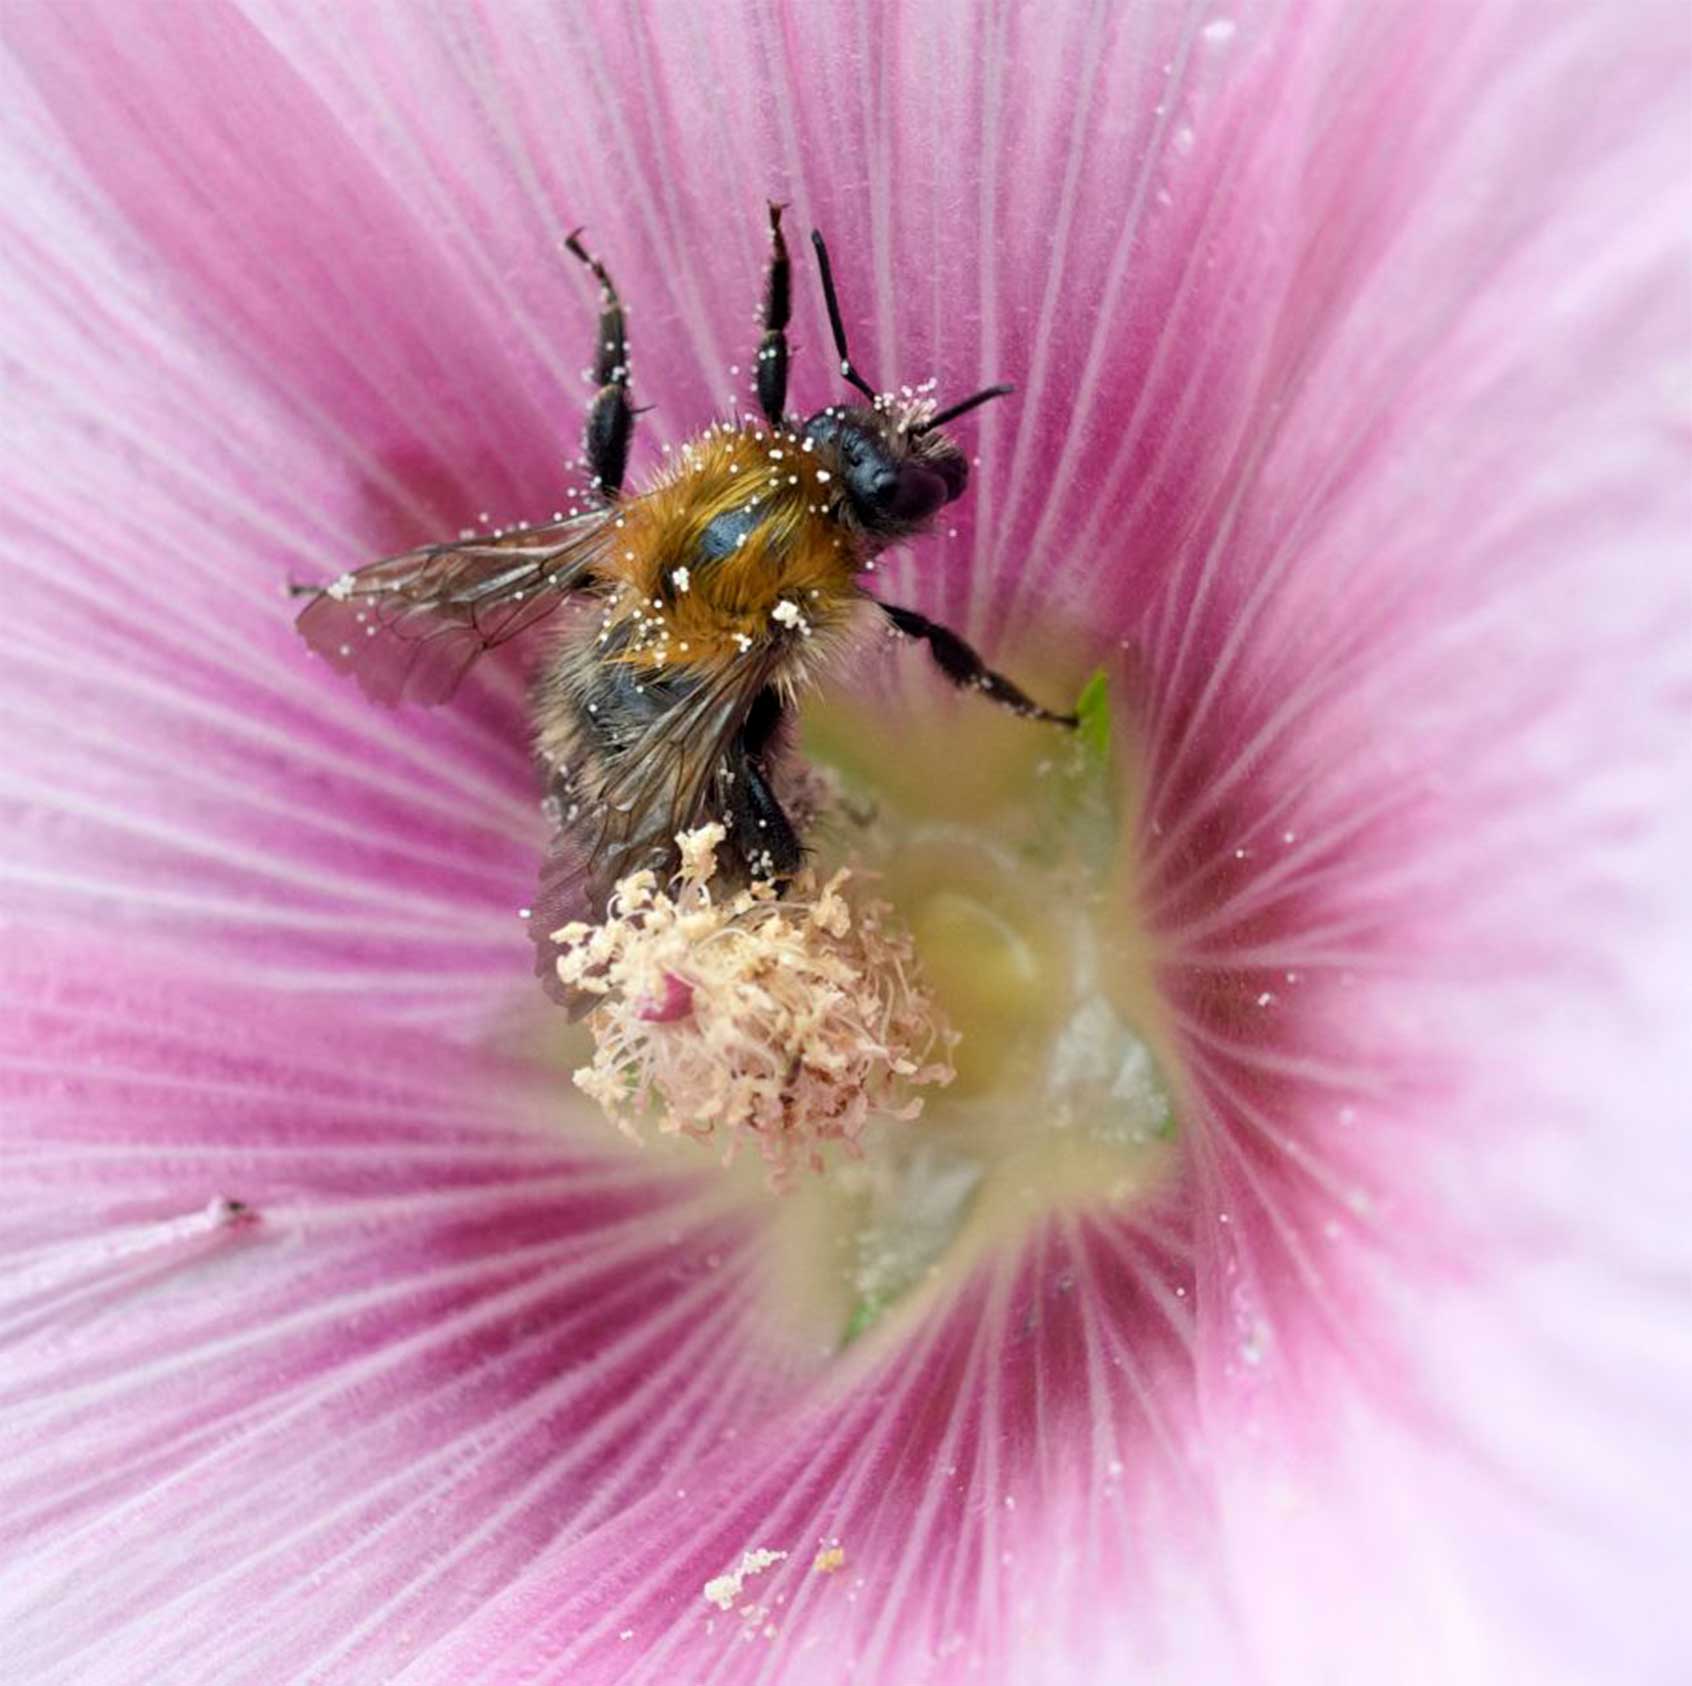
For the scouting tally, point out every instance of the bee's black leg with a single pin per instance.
(610, 423)
(836, 322)
(778, 307)
(761, 830)
(764, 720)
(966, 669)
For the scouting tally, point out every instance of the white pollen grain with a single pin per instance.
(724, 1590)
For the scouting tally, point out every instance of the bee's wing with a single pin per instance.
(565, 893)
(663, 783)
(660, 785)
(410, 627)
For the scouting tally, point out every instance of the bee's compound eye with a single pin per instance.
(954, 470)
(916, 493)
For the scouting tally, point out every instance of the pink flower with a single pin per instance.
(1350, 346)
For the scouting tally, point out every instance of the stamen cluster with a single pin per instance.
(784, 1023)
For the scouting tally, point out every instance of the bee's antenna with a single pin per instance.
(963, 408)
(835, 322)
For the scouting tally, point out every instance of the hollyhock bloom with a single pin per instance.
(340, 1342)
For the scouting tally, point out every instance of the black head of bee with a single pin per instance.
(895, 478)
(898, 469)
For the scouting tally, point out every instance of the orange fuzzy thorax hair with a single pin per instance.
(789, 575)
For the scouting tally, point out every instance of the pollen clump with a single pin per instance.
(723, 1590)
(737, 1016)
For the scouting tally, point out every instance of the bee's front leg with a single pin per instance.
(960, 664)
(778, 307)
(610, 423)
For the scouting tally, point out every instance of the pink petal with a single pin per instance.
(181, 768)
(449, 1357)
(445, 1333)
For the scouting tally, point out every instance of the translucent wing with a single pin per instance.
(565, 892)
(410, 627)
(674, 776)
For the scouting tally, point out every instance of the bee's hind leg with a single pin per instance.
(965, 668)
(760, 828)
(778, 307)
(764, 832)
(610, 423)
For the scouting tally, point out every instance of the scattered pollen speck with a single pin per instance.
(829, 1561)
(725, 1589)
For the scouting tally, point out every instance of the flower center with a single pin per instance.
(1002, 847)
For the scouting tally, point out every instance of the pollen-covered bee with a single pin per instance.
(713, 595)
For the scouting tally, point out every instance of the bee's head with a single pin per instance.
(896, 468)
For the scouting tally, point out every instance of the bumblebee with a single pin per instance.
(710, 599)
